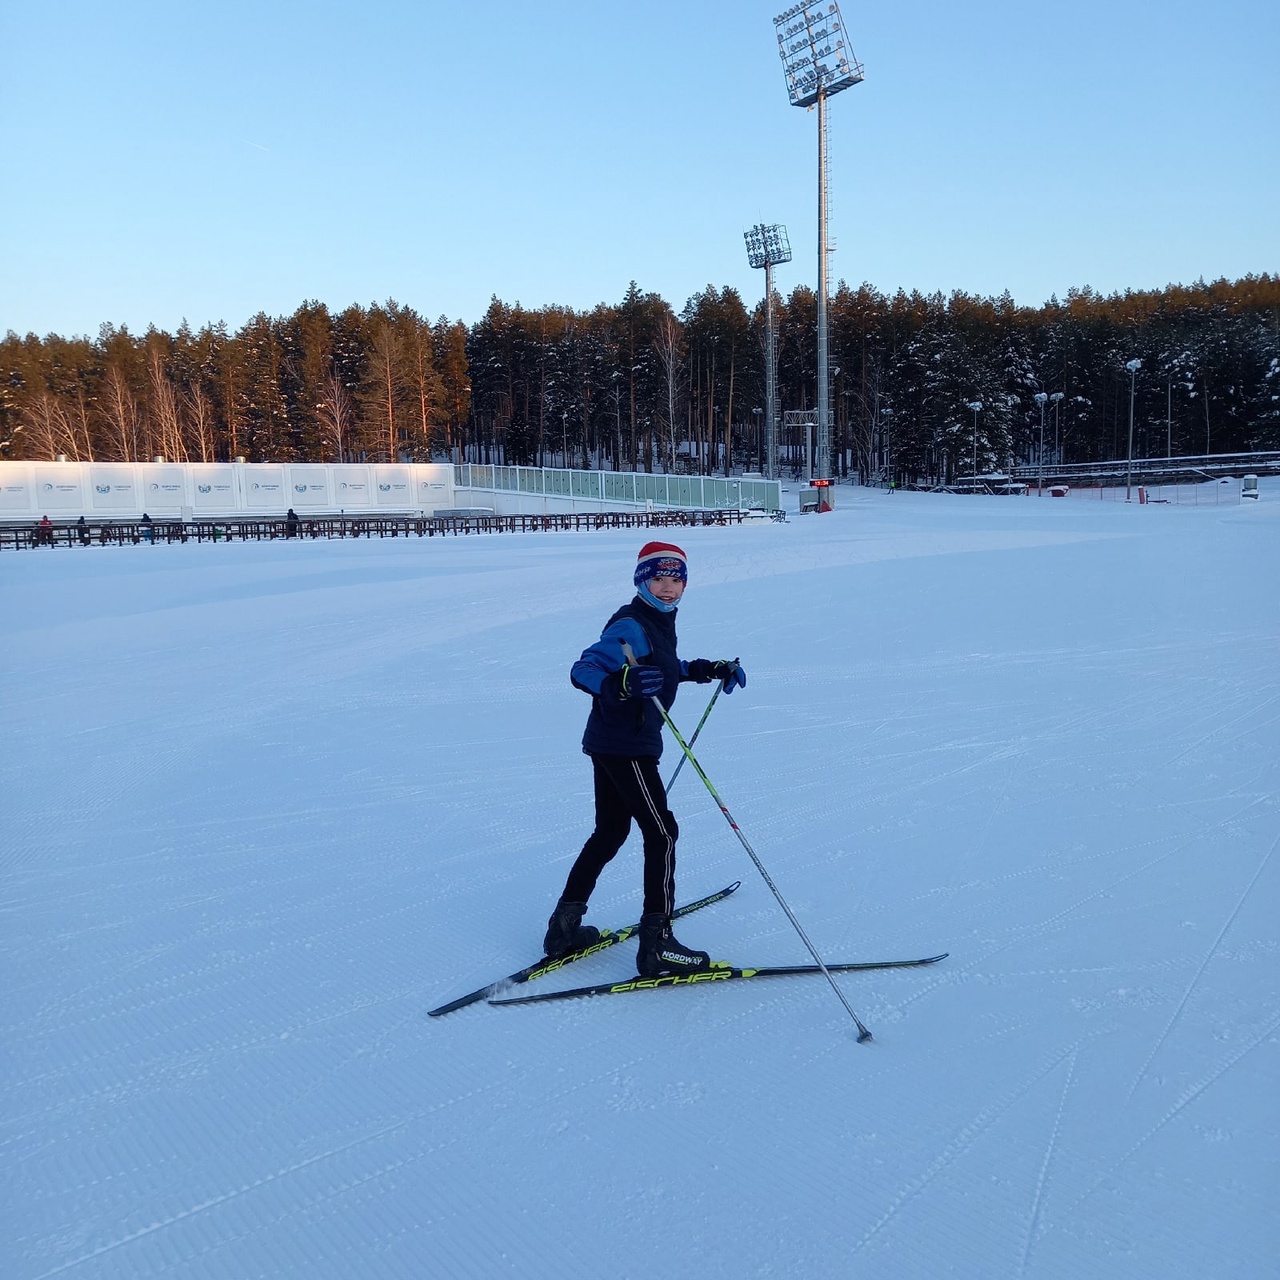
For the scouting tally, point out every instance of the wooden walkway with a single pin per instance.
(238, 528)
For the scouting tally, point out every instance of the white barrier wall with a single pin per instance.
(124, 490)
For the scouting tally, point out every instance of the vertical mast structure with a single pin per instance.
(823, 460)
(767, 246)
(770, 380)
(818, 63)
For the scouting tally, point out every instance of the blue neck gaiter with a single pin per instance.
(642, 591)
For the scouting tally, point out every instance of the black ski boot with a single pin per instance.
(661, 955)
(566, 932)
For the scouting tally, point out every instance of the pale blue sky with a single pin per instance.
(171, 160)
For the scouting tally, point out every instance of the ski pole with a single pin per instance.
(863, 1033)
(698, 730)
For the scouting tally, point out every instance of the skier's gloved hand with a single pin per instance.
(634, 682)
(730, 674)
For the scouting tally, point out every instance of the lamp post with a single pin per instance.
(1041, 399)
(1056, 397)
(1133, 366)
(564, 424)
(976, 406)
(818, 63)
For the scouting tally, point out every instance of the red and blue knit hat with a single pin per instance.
(661, 560)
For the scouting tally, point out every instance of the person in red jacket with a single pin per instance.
(630, 669)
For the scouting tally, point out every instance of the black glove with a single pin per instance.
(633, 682)
(730, 674)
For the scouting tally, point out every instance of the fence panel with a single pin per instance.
(658, 488)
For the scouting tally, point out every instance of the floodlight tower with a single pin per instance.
(818, 64)
(766, 247)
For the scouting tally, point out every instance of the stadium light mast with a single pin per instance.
(767, 247)
(818, 63)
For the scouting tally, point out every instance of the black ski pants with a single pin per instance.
(629, 789)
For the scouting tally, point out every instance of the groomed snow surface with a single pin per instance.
(267, 804)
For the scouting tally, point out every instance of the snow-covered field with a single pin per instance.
(264, 805)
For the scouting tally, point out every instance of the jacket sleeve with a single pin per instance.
(606, 656)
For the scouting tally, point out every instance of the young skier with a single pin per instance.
(633, 662)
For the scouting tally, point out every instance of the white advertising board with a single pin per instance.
(124, 490)
(395, 487)
(15, 488)
(309, 488)
(164, 486)
(352, 487)
(264, 489)
(213, 487)
(433, 486)
(57, 488)
(113, 488)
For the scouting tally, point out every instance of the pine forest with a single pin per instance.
(634, 385)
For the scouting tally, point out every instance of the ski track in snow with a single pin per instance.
(960, 1143)
(215, 1202)
(1204, 963)
(1022, 933)
(1184, 1100)
(274, 802)
(1043, 1180)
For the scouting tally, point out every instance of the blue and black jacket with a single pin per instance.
(629, 726)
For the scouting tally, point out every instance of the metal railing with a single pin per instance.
(236, 529)
(637, 488)
(1203, 466)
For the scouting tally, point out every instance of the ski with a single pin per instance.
(717, 973)
(608, 938)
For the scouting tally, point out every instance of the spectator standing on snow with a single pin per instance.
(291, 524)
(623, 738)
(44, 532)
(82, 531)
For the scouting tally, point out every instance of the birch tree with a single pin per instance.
(668, 343)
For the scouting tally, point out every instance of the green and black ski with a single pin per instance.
(717, 973)
(546, 965)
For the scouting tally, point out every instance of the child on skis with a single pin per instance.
(634, 662)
